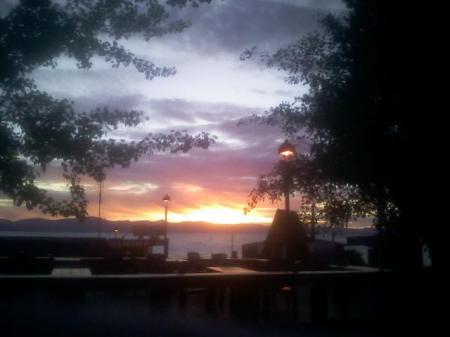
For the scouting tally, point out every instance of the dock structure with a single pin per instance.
(142, 243)
(151, 237)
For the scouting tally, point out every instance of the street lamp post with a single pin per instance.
(166, 200)
(287, 153)
(99, 219)
(233, 253)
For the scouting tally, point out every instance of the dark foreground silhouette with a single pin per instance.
(130, 314)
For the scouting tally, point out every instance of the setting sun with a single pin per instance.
(218, 215)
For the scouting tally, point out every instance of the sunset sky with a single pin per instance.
(211, 91)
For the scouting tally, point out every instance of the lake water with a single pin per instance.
(179, 243)
(205, 243)
(209, 243)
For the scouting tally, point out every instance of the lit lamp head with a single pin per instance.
(116, 230)
(286, 150)
(166, 199)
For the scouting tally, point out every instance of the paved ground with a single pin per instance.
(132, 316)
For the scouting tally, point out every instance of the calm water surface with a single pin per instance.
(179, 243)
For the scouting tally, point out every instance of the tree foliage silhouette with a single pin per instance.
(324, 203)
(357, 113)
(37, 129)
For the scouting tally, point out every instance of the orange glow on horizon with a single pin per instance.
(215, 214)
(218, 215)
(186, 205)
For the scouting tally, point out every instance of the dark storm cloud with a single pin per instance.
(220, 119)
(232, 26)
(184, 110)
(318, 4)
(126, 102)
(259, 140)
(176, 114)
(174, 109)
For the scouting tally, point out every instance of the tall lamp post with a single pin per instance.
(166, 200)
(99, 219)
(287, 153)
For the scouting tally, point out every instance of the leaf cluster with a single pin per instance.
(356, 114)
(38, 130)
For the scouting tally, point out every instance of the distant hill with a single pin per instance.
(39, 225)
(90, 225)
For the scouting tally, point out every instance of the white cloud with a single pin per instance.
(187, 187)
(59, 186)
(132, 188)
